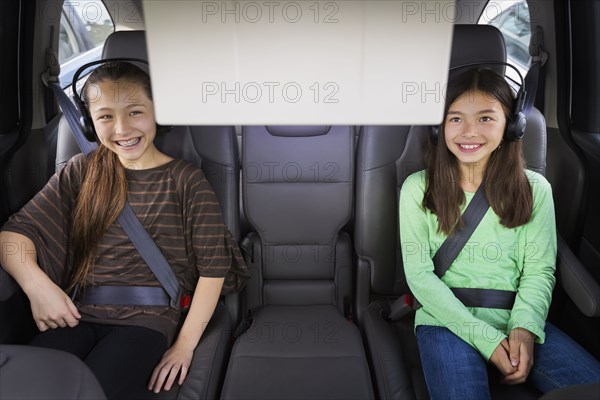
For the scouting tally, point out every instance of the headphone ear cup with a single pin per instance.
(515, 129)
(85, 120)
(88, 128)
(434, 133)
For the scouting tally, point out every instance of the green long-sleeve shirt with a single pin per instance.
(519, 259)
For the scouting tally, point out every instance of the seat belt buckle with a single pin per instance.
(403, 306)
(185, 302)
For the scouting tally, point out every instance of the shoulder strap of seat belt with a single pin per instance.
(531, 87)
(448, 251)
(453, 244)
(72, 115)
(150, 252)
(128, 220)
(535, 78)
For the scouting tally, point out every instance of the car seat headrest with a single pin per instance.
(477, 43)
(298, 130)
(129, 44)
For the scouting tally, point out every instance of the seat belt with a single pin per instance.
(536, 82)
(531, 87)
(445, 256)
(143, 243)
(452, 246)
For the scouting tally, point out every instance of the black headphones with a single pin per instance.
(86, 118)
(515, 128)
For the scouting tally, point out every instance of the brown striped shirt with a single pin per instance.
(178, 208)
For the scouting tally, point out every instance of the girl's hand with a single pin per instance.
(521, 355)
(500, 358)
(176, 360)
(51, 307)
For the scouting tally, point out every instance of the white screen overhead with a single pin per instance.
(299, 62)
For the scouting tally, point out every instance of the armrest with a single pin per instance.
(579, 284)
(8, 286)
(207, 371)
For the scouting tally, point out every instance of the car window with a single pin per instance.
(84, 26)
(68, 45)
(513, 20)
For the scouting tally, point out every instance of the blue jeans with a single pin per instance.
(455, 370)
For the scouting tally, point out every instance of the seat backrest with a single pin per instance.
(212, 148)
(297, 190)
(387, 155)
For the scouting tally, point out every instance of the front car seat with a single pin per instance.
(58, 375)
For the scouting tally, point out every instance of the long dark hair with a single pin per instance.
(104, 186)
(507, 188)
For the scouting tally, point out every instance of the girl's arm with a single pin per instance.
(212, 254)
(50, 306)
(38, 236)
(534, 292)
(178, 358)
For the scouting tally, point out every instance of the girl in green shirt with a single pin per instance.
(512, 249)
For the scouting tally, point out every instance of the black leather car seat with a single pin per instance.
(215, 150)
(297, 190)
(386, 156)
(57, 375)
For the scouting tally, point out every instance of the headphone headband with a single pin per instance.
(84, 67)
(475, 64)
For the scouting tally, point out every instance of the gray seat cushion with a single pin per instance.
(37, 373)
(299, 352)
